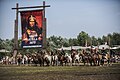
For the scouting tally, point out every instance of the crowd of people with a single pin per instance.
(92, 57)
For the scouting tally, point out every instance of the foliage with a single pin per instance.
(83, 39)
(94, 41)
(6, 44)
(116, 38)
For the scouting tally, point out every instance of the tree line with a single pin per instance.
(82, 39)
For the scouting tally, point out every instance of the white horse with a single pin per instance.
(24, 59)
(47, 59)
(54, 60)
(69, 60)
(77, 59)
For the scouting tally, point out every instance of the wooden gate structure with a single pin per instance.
(15, 50)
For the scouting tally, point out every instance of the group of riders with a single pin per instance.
(92, 57)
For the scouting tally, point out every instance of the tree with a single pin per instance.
(116, 39)
(94, 41)
(65, 42)
(104, 39)
(19, 43)
(1, 43)
(70, 42)
(56, 41)
(99, 40)
(110, 39)
(82, 37)
(73, 42)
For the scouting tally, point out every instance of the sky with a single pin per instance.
(66, 18)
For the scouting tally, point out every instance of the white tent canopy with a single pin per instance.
(118, 47)
(73, 47)
(3, 50)
(64, 48)
(104, 46)
(81, 47)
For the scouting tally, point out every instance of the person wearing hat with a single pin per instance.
(33, 34)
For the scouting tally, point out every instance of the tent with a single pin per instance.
(73, 47)
(4, 51)
(118, 47)
(104, 46)
(64, 48)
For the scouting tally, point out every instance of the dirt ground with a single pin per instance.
(14, 72)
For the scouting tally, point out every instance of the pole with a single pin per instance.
(16, 29)
(44, 8)
(16, 34)
(109, 44)
(44, 26)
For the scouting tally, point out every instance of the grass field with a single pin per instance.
(13, 72)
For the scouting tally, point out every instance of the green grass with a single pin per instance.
(13, 72)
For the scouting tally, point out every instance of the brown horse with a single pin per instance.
(34, 59)
(61, 59)
(91, 58)
(95, 57)
(40, 57)
(86, 58)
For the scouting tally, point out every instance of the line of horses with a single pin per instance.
(60, 58)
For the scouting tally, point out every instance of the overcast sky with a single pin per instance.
(66, 18)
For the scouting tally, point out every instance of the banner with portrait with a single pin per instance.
(31, 25)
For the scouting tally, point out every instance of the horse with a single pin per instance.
(40, 57)
(68, 59)
(61, 59)
(75, 57)
(54, 60)
(34, 59)
(37, 58)
(19, 59)
(84, 58)
(96, 59)
(108, 58)
(47, 58)
(24, 59)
